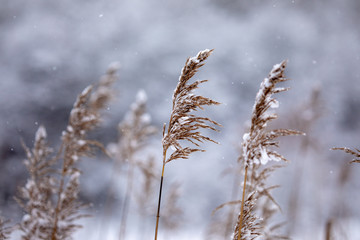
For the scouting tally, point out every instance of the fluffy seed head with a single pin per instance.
(184, 125)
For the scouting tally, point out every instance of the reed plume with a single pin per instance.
(36, 195)
(135, 130)
(258, 142)
(84, 117)
(50, 196)
(183, 125)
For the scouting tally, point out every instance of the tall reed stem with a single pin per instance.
(127, 201)
(160, 191)
(242, 204)
(234, 195)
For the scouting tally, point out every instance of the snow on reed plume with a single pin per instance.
(50, 196)
(257, 150)
(183, 124)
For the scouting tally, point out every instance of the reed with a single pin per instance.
(135, 130)
(50, 196)
(183, 125)
(257, 150)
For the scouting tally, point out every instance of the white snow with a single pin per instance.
(75, 176)
(26, 218)
(146, 118)
(86, 91)
(141, 96)
(30, 184)
(274, 103)
(70, 128)
(40, 133)
(246, 137)
(183, 120)
(266, 83)
(264, 159)
(81, 142)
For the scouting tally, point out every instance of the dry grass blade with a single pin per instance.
(355, 153)
(224, 205)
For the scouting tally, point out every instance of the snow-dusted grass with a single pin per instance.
(53, 210)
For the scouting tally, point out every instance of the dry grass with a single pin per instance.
(257, 150)
(134, 132)
(183, 125)
(50, 197)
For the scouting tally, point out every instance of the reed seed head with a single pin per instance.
(184, 125)
(257, 143)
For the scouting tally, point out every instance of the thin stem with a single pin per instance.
(159, 203)
(60, 191)
(234, 195)
(126, 204)
(329, 225)
(242, 204)
(109, 201)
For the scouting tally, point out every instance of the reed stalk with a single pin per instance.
(242, 203)
(183, 125)
(257, 151)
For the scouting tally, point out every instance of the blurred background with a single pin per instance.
(51, 50)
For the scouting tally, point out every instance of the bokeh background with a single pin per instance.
(51, 50)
